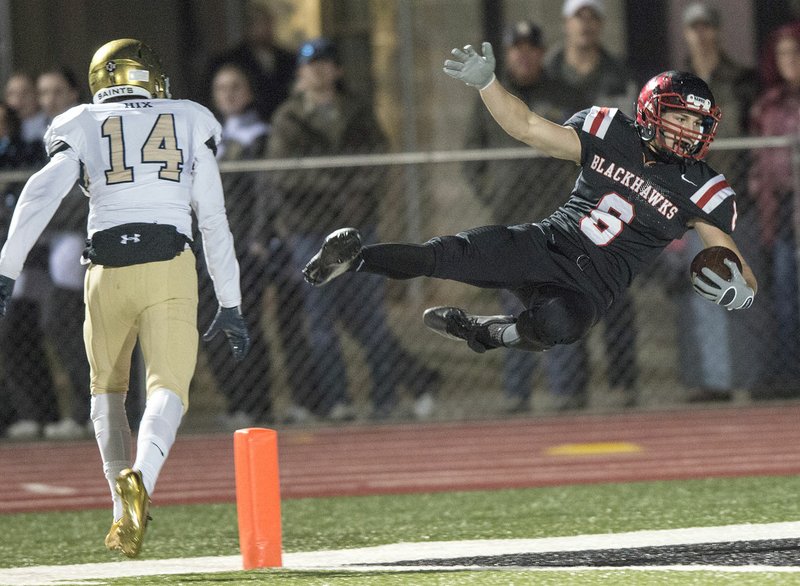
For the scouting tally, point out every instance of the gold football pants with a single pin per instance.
(155, 302)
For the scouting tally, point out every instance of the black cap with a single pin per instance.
(523, 31)
(317, 49)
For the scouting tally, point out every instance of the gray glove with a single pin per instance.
(470, 67)
(733, 294)
(229, 320)
(6, 287)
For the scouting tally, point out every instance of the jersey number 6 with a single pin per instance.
(161, 147)
(607, 219)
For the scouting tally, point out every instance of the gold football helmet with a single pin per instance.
(127, 68)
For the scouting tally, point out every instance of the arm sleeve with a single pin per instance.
(724, 217)
(577, 122)
(37, 204)
(208, 204)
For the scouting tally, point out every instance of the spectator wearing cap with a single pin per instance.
(270, 66)
(596, 78)
(323, 118)
(708, 348)
(515, 188)
(584, 64)
(734, 86)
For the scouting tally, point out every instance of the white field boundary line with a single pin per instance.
(370, 557)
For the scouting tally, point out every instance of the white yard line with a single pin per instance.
(347, 559)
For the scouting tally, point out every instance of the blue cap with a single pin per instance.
(317, 49)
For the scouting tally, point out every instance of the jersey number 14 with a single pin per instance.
(160, 147)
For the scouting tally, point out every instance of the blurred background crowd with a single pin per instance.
(335, 113)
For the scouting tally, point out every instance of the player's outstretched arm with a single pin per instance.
(36, 206)
(511, 113)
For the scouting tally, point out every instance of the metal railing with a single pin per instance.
(383, 363)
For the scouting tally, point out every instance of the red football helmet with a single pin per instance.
(677, 90)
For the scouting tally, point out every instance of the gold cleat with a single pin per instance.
(112, 539)
(135, 504)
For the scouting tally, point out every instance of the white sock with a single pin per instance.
(510, 335)
(113, 436)
(157, 430)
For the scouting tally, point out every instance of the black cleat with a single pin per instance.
(338, 252)
(456, 324)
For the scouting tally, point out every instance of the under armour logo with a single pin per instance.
(124, 239)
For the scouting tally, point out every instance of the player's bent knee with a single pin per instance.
(559, 319)
(171, 384)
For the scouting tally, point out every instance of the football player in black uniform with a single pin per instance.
(641, 185)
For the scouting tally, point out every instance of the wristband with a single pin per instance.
(490, 82)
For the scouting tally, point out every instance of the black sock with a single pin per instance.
(398, 261)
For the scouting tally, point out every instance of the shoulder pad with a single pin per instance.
(712, 193)
(598, 120)
(68, 116)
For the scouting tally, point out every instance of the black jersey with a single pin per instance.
(625, 209)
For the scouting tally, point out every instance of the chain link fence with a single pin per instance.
(357, 350)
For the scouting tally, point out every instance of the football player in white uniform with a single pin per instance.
(146, 162)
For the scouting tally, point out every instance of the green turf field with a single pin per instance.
(315, 524)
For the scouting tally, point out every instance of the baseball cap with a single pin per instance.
(573, 6)
(523, 31)
(317, 49)
(701, 12)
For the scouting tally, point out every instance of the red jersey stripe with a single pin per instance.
(713, 190)
(598, 120)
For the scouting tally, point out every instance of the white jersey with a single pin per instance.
(138, 161)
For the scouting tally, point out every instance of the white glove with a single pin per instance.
(470, 67)
(733, 294)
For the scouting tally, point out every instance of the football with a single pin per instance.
(712, 258)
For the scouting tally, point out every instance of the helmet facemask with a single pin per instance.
(677, 92)
(673, 137)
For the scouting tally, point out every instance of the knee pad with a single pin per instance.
(556, 316)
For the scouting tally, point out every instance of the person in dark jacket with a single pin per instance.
(323, 119)
(270, 66)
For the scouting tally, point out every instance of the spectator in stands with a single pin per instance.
(28, 380)
(270, 66)
(31, 368)
(522, 187)
(323, 119)
(251, 211)
(20, 94)
(595, 77)
(59, 91)
(734, 85)
(585, 65)
(61, 310)
(706, 348)
(15, 151)
(772, 186)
